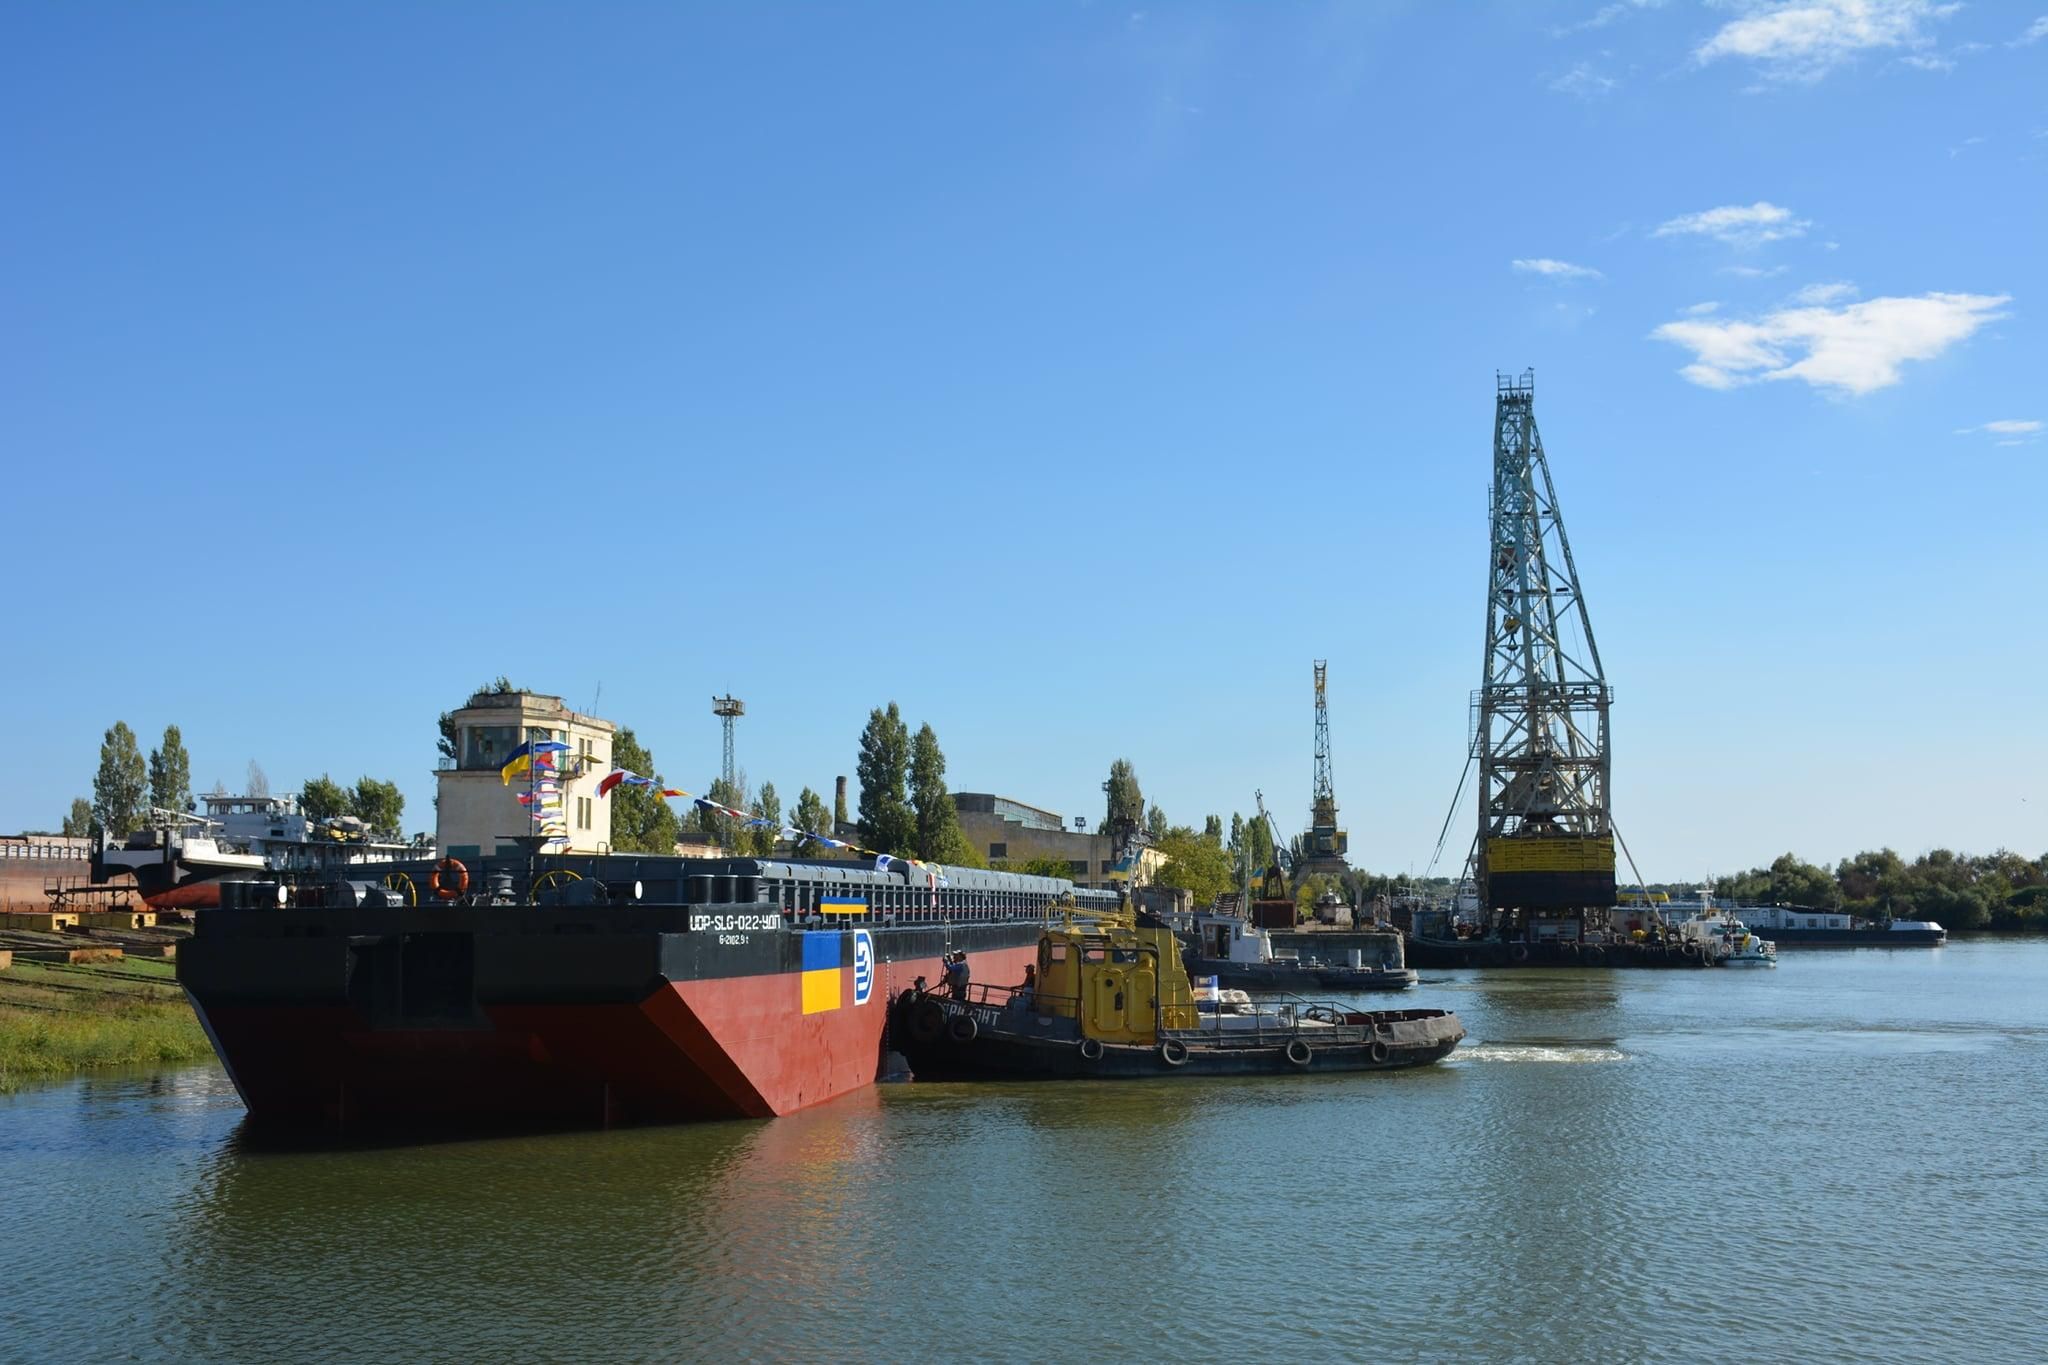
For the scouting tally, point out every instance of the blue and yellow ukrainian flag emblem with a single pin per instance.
(821, 972)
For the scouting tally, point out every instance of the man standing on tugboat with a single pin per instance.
(957, 974)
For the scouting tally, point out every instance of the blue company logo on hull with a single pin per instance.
(863, 966)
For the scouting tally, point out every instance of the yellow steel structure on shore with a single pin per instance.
(1526, 854)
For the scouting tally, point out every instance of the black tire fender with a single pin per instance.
(1380, 1051)
(1300, 1053)
(927, 1022)
(1091, 1049)
(963, 1029)
(1173, 1052)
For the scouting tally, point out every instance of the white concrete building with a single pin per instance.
(480, 815)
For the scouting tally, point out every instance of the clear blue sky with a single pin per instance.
(1072, 374)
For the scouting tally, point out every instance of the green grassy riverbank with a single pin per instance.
(57, 1019)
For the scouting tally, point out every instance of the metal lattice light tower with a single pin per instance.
(728, 709)
(1545, 841)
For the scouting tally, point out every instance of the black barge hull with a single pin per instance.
(1438, 954)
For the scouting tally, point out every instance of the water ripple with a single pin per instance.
(1843, 1163)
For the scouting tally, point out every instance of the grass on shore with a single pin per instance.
(56, 1021)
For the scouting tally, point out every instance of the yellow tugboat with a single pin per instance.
(1111, 998)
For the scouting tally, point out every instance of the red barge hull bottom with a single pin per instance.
(502, 1016)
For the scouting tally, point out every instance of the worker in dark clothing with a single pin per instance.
(1026, 994)
(957, 974)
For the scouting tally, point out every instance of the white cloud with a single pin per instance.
(1803, 40)
(1556, 270)
(1700, 310)
(1825, 293)
(2008, 426)
(1607, 14)
(1753, 272)
(1857, 348)
(1583, 82)
(2036, 31)
(1737, 224)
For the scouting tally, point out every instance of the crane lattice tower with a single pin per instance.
(728, 709)
(1545, 844)
(1327, 844)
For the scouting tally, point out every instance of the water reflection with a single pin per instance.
(1515, 1207)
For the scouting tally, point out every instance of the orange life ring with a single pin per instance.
(450, 878)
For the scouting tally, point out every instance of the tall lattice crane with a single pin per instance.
(1545, 845)
(1327, 844)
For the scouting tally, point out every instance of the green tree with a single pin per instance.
(939, 838)
(1212, 829)
(170, 773)
(322, 798)
(1867, 879)
(498, 687)
(78, 823)
(641, 821)
(121, 785)
(1124, 813)
(812, 817)
(1038, 867)
(1311, 890)
(767, 806)
(723, 828)
(380, 805)
(1251, 849)
(887, 823)
(1155, 824)
(1194, 864)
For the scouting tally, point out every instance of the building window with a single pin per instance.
(998, 850)
(1105, 867)
(1077, 867)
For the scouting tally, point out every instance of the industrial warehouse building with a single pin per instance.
(1012, 833)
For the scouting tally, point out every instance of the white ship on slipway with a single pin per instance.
(178, 860)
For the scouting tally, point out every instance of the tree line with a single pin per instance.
(905, 809)
(128, 786)
(2000, 891)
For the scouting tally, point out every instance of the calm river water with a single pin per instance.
(1845, 1158)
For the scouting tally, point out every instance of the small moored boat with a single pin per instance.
(1242, 956)
(1112, 999)
(1745, 949)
